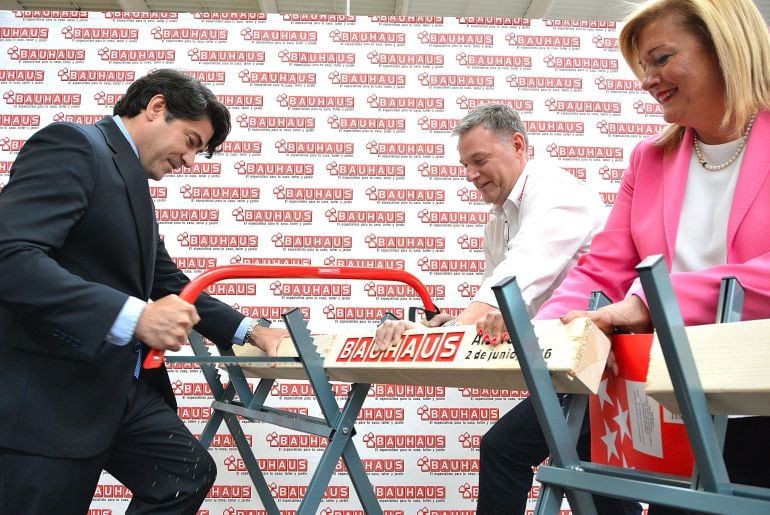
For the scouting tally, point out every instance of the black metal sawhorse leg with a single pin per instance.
(543, 394)
(574, 407)
(337, 425)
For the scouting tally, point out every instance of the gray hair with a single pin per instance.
(498, 118)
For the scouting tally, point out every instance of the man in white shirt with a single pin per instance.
(542, 221)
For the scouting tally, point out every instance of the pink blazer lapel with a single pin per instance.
(675, 168)
(754, 171)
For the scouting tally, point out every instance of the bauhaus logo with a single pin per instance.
(448, 466)
(22, 76)
(197, 35)
(456, 39)
(230, 16)
(218, 241)
(496, 21)
(47, 54)
(441, 171)
(297, 492)
(413, 348)
(359, 124)
(402, 291)
(323, 148)
(359, 313)
(312, 241)
(580, 63)
(494, 61)
(9, 121)
(404, 441)
(279, 36)
(226, 56)
(456, 81)
(150, 55)
(542, 41)
(396, 149)
(316, 101)
(338, 78)
(406, 103)
(241, 147)
(272, 216)
(618, 85)
(220, 193)
(365, 217)
(287, 169)
(585, 152)
(365, 170)
(403, 60)
(519, 104)
(100, 33)
(317, 58)
(40, 33)
(385, 242)
(310, 290)
(278, 78)
(54, 99)
(367, 37)
(545, 83)
(456, 415)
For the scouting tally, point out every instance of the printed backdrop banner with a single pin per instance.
(341, 154)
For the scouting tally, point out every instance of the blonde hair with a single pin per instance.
(735, 32)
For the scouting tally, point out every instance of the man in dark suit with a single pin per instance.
(79, 258)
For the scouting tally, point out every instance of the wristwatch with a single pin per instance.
(249, 330)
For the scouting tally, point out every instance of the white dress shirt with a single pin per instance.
(544, 226)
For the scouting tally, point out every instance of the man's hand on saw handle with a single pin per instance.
(165, 323)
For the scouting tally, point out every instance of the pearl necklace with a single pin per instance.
(715, 168)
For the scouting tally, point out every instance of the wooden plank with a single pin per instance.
(455, 357)
(323, 343)
(733, 362)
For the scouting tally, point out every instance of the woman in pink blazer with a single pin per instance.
(699, 194)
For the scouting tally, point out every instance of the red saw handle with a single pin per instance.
(194, 288)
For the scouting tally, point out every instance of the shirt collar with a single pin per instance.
(513, 203)
(124, 130)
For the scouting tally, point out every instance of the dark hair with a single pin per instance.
(186, 99)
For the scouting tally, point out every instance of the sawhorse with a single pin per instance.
(337, 425)
(708, 491)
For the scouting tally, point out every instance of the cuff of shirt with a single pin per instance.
(239, 338)
(122, 331)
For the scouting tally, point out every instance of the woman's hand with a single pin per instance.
(491, 328)
(630, 315)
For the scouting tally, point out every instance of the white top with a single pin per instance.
(701, 239)
(544, 226)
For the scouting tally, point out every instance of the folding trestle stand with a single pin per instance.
(336, 425)
(709, 490)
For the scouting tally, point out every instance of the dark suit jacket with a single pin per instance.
(77, 237)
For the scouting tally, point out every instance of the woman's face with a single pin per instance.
(683, 76)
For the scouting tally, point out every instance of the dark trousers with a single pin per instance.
(154, 455)
(746, 453)
(509, 450)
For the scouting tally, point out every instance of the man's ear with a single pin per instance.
(519, 143)
(156, 107)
